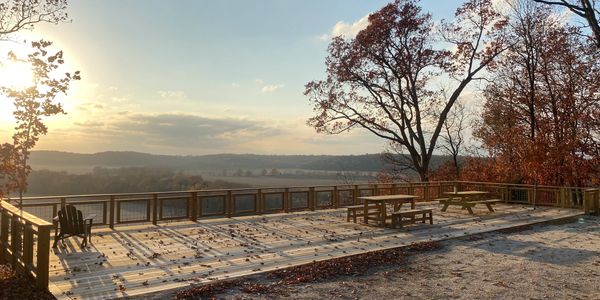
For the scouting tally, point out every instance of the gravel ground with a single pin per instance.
(16, 287)
(551, 261)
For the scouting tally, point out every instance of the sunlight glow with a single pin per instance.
(16, 75)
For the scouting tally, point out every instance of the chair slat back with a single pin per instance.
(71, 220)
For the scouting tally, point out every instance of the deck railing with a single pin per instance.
(124, 208)
(25, 242)
(23, 233)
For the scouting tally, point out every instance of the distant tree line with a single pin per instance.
(120, 180)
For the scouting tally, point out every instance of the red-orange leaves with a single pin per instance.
(386, 79)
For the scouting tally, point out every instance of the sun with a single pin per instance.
(16, 75)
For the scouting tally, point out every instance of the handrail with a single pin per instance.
(24, 230)
(350, 185)
(519, 184)
(34, 220)
(226, 202)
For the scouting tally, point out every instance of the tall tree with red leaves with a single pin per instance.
(541, 118)
(384, 79)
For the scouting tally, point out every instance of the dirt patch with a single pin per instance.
(15, 286)
(354, 265)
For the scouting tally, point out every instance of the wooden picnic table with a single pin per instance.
(381, 203)
(467, 199)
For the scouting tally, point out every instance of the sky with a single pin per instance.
(199, 77)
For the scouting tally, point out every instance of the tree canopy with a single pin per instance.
(385, 79)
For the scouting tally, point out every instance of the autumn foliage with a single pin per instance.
(537, 78)
(386, 79)
(31, 106)
(540, 121)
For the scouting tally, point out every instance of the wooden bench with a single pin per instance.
(442, 200)
(355, 211)
(404, 217)
(487, 203)
(469, 204)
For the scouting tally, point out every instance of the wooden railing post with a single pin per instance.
(259, 204)
(200, 208)
(355, 195)
(587, 207)
(194, 206)
(286, 200)
(229, 203)
(15, 241)
(563, 196)
(111, 213)
(312, 201)
(43, 256)
(28, 244)
(335, 198)
(4, 224)
(154, 209)
(534, 195)
(596, 202)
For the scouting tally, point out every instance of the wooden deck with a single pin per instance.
(142, 259)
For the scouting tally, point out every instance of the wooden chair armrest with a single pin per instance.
(90, 217)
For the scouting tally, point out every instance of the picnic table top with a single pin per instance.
(466, 193)
(388, 197)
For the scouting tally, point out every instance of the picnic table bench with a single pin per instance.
(467, 200)
(380, 203)
(355, 211)
(405, 217)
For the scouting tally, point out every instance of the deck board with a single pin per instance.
(122, 262)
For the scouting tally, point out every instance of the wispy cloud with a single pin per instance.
(171, 94)
(346, 30)
(235, 85)
(184, 130)
(267, 87)
(183, 133)
(89, 124)
(90, 106)
(271, 88)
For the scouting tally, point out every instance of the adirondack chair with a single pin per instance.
(72, 223)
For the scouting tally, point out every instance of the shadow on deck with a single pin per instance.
(141, 259)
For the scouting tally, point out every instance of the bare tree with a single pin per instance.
(16, 15)
(381, 81)
(587, 9)
(453, 137)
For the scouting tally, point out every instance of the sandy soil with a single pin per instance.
(556, 261)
